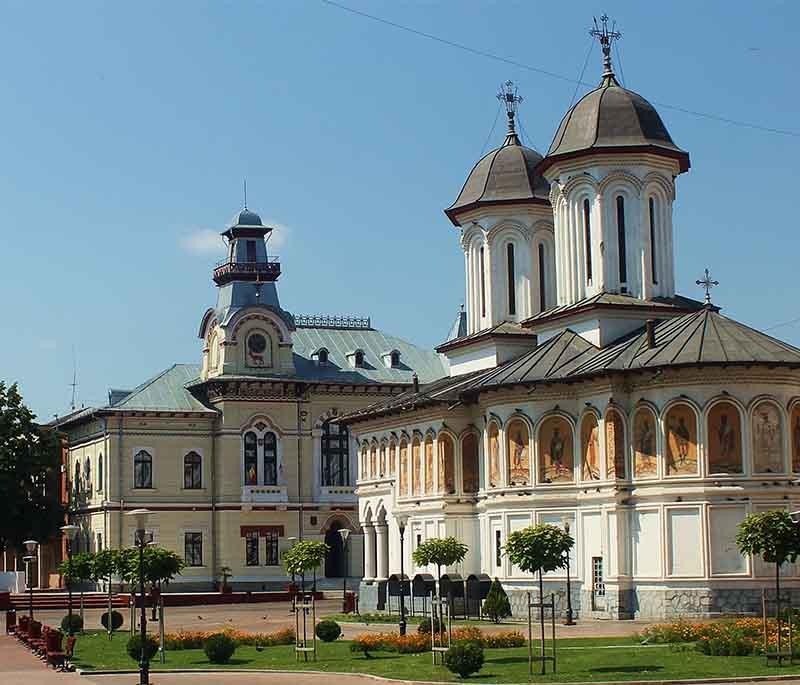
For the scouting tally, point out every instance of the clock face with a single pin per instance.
(257, 343)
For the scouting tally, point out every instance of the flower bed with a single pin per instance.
(193, 639)
(414, 643)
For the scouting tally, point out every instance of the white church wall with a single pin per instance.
(723, 521)
(591, 543)
(646, 539)
(686, 547)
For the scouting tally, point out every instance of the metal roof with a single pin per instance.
(165, 392)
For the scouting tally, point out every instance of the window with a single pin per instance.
(143, 470)
(322, 356)
(88, 475)
(358, 359)
(251, 250)
(483, 286)
(270, 459)
(259, 350)
(251, 548)
(395, 359)
(498, 548)
(587, 236)
(335, 455)
(512, 295)
(542, 281)
(271, 540)
(76, 481)
(192, 471)
(250, 459)
(193, 549)
(469, 463)
(100, 473)
(623, 266)
(652, 204)
(99, 547)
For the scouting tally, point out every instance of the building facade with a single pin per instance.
(236, 456)
(583, 390)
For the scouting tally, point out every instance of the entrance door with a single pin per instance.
(598, 585)
(335, 561)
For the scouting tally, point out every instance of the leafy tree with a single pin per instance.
(539, 549)
(774, 536)
(306, 555)
(105, 565)
(496, 605)
(440, 551)
(159, 565)
(30, 464)
(77, 570)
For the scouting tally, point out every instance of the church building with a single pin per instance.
(237, 456)
(583, 390)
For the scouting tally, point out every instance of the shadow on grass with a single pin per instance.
(627, 669)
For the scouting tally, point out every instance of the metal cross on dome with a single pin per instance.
(606, 38)
(707, 283)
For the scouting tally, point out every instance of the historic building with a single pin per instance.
(237, 456)
(582, 389)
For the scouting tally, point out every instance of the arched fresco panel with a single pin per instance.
(724, 439)
(494, 455)
(615, 445)
(469, 463)
(555, 449)
(519, 462)
(447, 481)
(428, 465)
(680, 433)
(645, 461)
(590, 448)
(767, 439)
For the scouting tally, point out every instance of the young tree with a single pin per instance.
(306, 555)
(496, 605)
(440, 551)
(78, 569)
(105, 565)
(539, 549)
(30, 462)
(774, 536)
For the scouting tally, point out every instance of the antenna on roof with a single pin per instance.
(74, 383)
(245, 192)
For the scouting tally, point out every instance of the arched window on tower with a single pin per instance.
(587, 237)
(652, 207)
(250, 458)
(542, 280)
(512, 295)
(623, 265)
(270, 459)
(483, 285)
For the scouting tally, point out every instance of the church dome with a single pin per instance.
(246, 217)
(612, 119)
(506, 175)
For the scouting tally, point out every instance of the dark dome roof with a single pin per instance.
(246, 218)
(505, 175)
(610, 119)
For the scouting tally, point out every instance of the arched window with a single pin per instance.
(395, 359)
(100, 473)
(680, 432)
(76, 482)
(322, 356)
(587, 238)
(364, 462)
(483, 284)
(142, 470)
(652, 208)
(645, 460)
(724, 430)
(416, 467)
(494, 455)
(403, 468)
(615, 445)
(250, 458)
(470, 480)
(392, 458)
(88, 475)
(512, 295)
(213, 352)
(556, 459)
(382, 461)
(621, 250)
(373, 461)
(590, 448)
(447, 480)
(518, 450)
(428, 465)
(358, 359)
(270, 459)
(542, 280)
(192, 471)
(335, 455)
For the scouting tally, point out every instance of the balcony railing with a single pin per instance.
(227, 270)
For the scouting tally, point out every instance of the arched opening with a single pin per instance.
(653, 269)
(542, 280)
(512, 295)
(335, 561)
(587, 237)
(621, 244)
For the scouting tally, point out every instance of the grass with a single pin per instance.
(581, 659)
(392, 619)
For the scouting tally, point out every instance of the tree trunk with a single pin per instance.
(541, 618)
(110, 627)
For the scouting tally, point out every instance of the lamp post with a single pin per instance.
(568, 621)
(69, 531)
(402, 522)
(140, 517)
(344, 533)
(30, 546)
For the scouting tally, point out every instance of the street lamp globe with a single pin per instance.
(402, 522)
(70, 531)
(30, 546)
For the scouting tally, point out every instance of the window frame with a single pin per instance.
(341, 450)
(249, 538)
(197, 469)
(147, 484)
(191, 545)
(272, 555)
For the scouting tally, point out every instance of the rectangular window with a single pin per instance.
(512, 295)
(271, 557)
(623, 262)
(587, 228)
(498, 548)
(251, 250)
(193, 549)
(251, 549)
(653, 240)
(335, 455)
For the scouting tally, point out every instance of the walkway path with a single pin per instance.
(19, 667)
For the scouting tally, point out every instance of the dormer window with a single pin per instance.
(358, 359)
(391, 359)
(322, 356)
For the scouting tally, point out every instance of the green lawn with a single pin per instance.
(392, 619)
(580, 660)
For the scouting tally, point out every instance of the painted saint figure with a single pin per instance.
(681, 441)
(796, 441)
(494, 456)
(590, 436)
(555, 446)
(767, 439)
(644, 450)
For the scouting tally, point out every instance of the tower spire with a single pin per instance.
(606, 39)
(508, 96)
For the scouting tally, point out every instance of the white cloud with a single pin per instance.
(203, 241)
(280, 235)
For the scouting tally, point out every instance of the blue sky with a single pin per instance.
(128, 128)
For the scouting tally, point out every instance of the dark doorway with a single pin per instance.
(335, 561)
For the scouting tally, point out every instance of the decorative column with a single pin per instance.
(369, 552)
(382, 550)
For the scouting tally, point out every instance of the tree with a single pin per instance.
(539, 549)
(30, 464)
(774, 536)
(77, 569)
(440, 551)
(496, 605)
(106, 564)
(159, 565)
(306, 555)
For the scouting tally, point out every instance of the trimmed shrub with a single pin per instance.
(328, 630)
(496, 605)
(116, 620)
(425, 626)
(193, 639)
(134, 647)
(464, 658)
(219, 648)
(504, 640)
(77, 624)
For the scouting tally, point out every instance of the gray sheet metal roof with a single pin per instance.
(165, 392)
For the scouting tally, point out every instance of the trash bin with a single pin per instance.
(11, 620)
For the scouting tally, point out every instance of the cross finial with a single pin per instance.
(508, 96)
(606, 39)
(707, 283)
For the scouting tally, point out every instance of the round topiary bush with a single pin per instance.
(116, 620)
(134, 647)
(77, 624)
(219, 648)
(328, 630)
(464, 658)
(425, 626)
